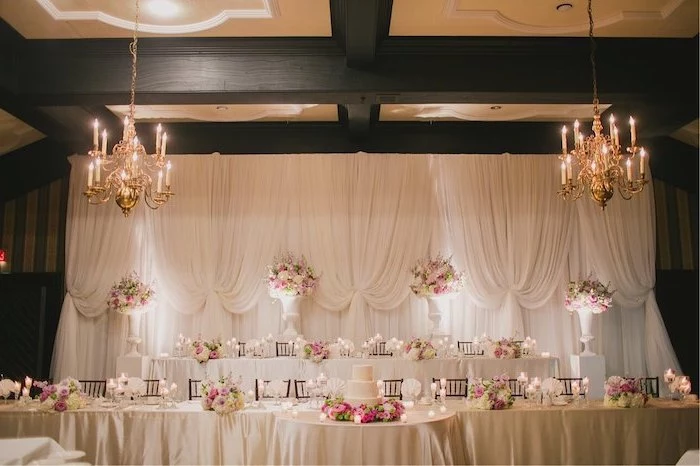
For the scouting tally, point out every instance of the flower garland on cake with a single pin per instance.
(64, 396)
(222, 397)
(130, 294)
(490, 394)
(588, 294)
(624, 393)
(505, 348)
(338, 410)
(316, 351)
(436, 276)
(203, 350)
(419, 349)
(290, 276)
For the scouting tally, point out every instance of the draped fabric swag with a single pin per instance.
(362, 220)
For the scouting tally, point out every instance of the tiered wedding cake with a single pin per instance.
(362, 388)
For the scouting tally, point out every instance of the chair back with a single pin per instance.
(455, 388)
(566, 381)
(285, 349)
(194, 388)
(94, 388)
(300, 389)
(650, 386)
(392, 388)
(468, 348)
(241, 349)
(259, 396)
(515, 388)
(379, 349)
(151, 387)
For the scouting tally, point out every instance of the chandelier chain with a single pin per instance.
(592, 56)
(133, 48)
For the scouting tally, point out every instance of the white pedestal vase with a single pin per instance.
(291, 305)
(585, 318)
(134, 338)
(439, 315)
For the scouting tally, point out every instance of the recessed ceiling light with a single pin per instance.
(221, 107)
(564, 6)
(496, 107)
(163, 8)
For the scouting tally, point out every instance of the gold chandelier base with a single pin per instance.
(126, 199)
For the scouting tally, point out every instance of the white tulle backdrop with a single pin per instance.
(362, 220)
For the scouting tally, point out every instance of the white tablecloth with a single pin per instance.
(421, 440)
(26, 450)
(657, 434)
(180, 370)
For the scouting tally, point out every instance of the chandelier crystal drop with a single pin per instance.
(598, 164)
(128, 174)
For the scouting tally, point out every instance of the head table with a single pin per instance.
(585, 434)
(180, 370)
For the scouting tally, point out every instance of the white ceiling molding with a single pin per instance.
(270, 10)
(216, 113)
(505, 112)
(452, 11)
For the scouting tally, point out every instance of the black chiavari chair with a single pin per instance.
(285, 349)
(392, 388)
(566, 381)
(379, 349)
(454, 388)
(241, 349)
(300, 389)
(94, 388)
(650, 386)
(467, 347)
(515, 388)
(259, 396)
(194, 388)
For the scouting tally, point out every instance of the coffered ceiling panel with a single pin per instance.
(488, 112)
(619, 18)
(15, 133)
(73, 19)
(231, 113)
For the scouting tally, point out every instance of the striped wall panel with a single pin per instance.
(33, 229)
(676, 227)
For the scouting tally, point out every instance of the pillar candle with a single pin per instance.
(95, 130)
(104, 142)
(642, 167)
(563, 140)
(633, 132)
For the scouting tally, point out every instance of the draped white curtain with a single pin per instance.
(362, 220)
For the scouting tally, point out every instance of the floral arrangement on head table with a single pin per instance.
(588, 294)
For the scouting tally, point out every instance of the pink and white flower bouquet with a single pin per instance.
(435, 277)
(64, 396)
(505, 348)
(588, 294)
(622, 392)
(490, 394)
(203, 350)
(223, 396)
(130, 294)
(290, 276)
(338, 410)
(419, 349)
(316, 351)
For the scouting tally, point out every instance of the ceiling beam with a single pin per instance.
(405, 70)
(359, 26)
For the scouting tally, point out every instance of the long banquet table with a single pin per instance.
(594, 434)
(180, 370)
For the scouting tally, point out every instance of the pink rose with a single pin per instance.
(60, 406)
(199, 349)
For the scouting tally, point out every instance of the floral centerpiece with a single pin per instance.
(588, 294)
(316, 351)
(436, 276)
(621, 392)
(290, 276)
(203, 350)
(130, 294)
(60, 397)
(505, 348)
(223, 396)
(339, 410)
(418, 349)
(490, 394)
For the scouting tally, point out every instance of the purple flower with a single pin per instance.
(60, 406)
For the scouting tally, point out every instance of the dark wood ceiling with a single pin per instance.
(58, 86)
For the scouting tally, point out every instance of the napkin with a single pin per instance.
(552, 386)
(410, 388)
(336, 387)
(136, 386)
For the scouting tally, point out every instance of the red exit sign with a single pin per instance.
(3, 254)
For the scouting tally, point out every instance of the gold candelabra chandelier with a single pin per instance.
(596, 162)
(128, 173)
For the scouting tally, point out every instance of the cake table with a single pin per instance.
(420, 440)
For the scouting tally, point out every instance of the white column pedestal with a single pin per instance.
(134, 366)
(592, 367)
